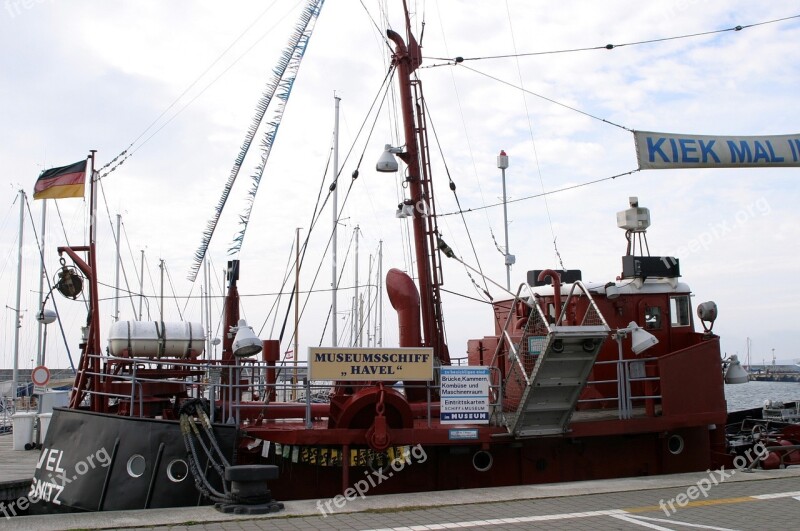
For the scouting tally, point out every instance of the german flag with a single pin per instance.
(58, 183)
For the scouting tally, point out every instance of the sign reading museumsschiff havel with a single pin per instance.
(656, 151)
(370, 364)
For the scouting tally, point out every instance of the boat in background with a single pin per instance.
(577, 381)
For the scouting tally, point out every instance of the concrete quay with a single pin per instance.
(723, 501)
(16, 469)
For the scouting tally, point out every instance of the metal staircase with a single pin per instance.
(550, 364)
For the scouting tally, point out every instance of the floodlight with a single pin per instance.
(641, 340)
(387, 163)
(245, 343)
(735, 373)
(46, 316)
(612, 292)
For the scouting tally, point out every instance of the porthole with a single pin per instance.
(675, 444)
(136, 466)
(177, 470)
(482, 461)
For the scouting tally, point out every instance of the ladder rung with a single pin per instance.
(547, 406)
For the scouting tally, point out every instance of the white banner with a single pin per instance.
(370, 364)
(657, 151)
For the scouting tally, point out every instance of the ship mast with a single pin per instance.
(406, 59)
(89, 373)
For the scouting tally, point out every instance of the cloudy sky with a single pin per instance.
(179, 81)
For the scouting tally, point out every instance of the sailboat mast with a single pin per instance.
(17, 324)
(41, 327)
(335, 207)
(161, 295)
(357, 316)
(206, 307)
(296, 313)
(379, 325)
(116, 274)
(141, 286)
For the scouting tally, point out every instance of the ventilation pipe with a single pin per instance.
(404, 296)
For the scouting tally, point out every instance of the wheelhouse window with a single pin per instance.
(652, 317)
(679, 311)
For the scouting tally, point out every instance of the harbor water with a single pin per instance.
(753, 394)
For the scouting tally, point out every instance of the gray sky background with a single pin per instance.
(83, 75)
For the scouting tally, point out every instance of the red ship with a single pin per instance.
(575, 382)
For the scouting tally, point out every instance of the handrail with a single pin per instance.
(592, 304)
(203, 383)
(625, 408)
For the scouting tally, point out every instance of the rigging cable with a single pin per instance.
(609, 46)
(264, 101)
(551, 192)
(128, 152)
(289, 66)
(172, 287)
(116, 243)
(338, 286)
(152, 284)
(136, 271)
(7, 260)
(533, 143)
(386, 80)
(49, 284)
(494, 78)
(352, 182)
(458, 203)
(314, 218)
(465, 130)
(66, 239)
(287, 272)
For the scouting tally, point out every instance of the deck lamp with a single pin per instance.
(387, 163)
(641, 339)
(734, 373)
(245, 343)
(46, 316)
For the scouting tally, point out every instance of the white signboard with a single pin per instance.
(657, 151)
(464, 395)
(371, 364)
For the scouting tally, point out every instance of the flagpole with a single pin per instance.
(94, 348)
(18, 324)
(39, 343)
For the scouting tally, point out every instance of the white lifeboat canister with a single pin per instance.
(156, 339)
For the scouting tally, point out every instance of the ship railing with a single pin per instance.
(243, 389)
(628, 371)
(132, 397)
(288, 395)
